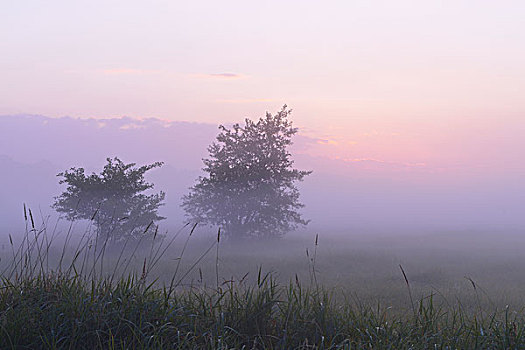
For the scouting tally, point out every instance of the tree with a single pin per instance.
(249, 189)
(113, 199)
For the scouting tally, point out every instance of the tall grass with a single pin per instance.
(82, 299)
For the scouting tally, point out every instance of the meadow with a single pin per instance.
(195, 289)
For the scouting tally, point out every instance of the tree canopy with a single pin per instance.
(114, 199)
(249, 187)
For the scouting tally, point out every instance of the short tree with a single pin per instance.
(113, 199)
(249, 188)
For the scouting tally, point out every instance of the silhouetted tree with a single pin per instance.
(113, 199)
(249, 189)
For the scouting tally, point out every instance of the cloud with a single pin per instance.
(243, 100)
(128, 71)
(327, 142)
(131, 126)
(222, 76)
(379, 161)
(335, 141)
(226, 75)
(114, 71)
(376, 133)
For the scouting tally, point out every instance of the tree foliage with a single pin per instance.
(113, 199)
(249, 188)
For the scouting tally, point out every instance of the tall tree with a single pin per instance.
(114, 199)
(249, 188)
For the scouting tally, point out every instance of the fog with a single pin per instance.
(136, 213)
(340, 197)
(368, 216)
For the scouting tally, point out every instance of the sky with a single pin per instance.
(339, 196)
(432, 85)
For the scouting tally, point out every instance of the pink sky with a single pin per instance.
(431, 84)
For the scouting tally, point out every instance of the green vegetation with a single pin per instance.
(62, 312)
(249, 188)
(87, 297)
(114, 199)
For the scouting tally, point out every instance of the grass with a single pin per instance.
(68, 312)
(87, 295)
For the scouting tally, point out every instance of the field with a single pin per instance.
(367, 265)
(394, 290)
